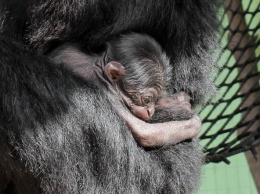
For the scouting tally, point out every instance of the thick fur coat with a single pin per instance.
(59, 134)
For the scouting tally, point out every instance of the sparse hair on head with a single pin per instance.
(145, 62)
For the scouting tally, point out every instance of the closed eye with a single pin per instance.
(147, 100)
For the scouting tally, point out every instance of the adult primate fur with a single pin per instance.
(59, 134)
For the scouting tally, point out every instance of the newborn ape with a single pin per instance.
(135, 70)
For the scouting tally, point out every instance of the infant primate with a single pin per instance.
(135, 70)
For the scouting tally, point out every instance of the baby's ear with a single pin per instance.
(115, 71)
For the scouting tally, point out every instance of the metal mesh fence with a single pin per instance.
(231, 121)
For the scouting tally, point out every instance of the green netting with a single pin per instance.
(232, 120)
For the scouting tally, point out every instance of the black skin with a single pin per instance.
(141, 101)
(60, 133)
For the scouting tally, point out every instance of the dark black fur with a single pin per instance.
(59, 134)
(185, 29)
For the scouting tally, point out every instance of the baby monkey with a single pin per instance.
(134, 69)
